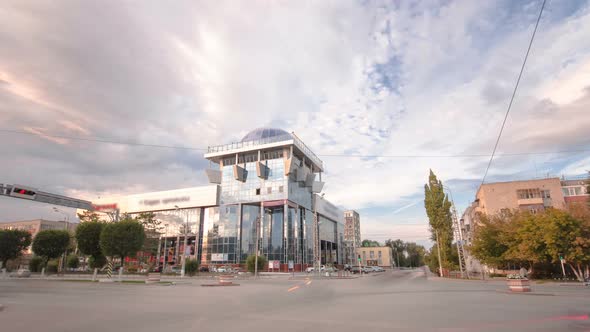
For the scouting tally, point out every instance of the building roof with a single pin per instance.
(264, 132)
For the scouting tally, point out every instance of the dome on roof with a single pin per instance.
(261, 133)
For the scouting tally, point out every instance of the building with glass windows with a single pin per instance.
(263, 197)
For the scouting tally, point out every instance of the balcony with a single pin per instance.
(530, 201)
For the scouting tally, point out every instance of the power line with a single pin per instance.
(101, 140)
(514, 91)
(111, 141)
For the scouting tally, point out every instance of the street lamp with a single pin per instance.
(66, 224)
(184, 246)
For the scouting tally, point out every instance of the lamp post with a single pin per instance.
(184, 246)
(165, 252)
(66, 224)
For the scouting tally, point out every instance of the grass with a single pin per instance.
(78, 280)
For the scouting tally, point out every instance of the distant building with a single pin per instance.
(36, 225)
(492, 198)
(575, 191)
(375, 256)
(352, 234)
(262, 198)
(531, 195)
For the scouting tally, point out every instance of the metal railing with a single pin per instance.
(288, 137)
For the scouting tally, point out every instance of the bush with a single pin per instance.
(250, 261)
(191, 267)
(73, 261)
(52, 265)
(97, 262)
(36, 264)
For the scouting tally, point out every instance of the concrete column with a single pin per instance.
(176, 253)
(287, 248)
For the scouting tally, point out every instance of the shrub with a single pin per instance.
(73, 261)
(52, 265)
(36, 264)
(191, 267)
(250, 261)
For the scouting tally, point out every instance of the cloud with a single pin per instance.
(348, 77)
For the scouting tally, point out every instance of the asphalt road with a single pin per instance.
(400, 300)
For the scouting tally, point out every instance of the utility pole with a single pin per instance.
(165, 252)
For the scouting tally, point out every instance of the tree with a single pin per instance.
(12, 244)
(97, 262)
(486, 245)
(191, 267)
(36, 263)
(88, 237)
(88, 216)
(438, 209)
(122, 239)
(73, 261)
(566, 237)
(250, 261)
(152, 228)
(51, 243)
(370, 243)
(406, 254)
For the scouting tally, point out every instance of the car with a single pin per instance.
(355, 269)
(21, 273)
(367, 269)
(377, 269)
(347, 267)
(204, 269)
(222, 269)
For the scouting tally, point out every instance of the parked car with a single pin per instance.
(347, 267)
(355, 269)
(311, 269)
(204, 269)
(377, 269)
(367, 269)
(21, 273)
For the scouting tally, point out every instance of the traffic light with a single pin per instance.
(23, 192)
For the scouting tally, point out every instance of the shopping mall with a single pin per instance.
(269, 173)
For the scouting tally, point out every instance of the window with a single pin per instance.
(572, 191)
(274, 154)
(280, 189)
(372, 254)
(257, 191)
(528, 193)
(546, 193)
(379, 254)
(229, 161)
(364, 255)
(269, 190)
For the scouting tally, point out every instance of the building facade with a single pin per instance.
(263, 197)
(575, 191)
(36, 225)
(352, 235)
(376, 256)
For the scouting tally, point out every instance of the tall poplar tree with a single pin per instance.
(438, 209)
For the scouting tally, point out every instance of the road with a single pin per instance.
(399, 300)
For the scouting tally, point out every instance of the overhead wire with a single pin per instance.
(514, 92)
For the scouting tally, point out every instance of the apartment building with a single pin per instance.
(376, 256)
(352, 235)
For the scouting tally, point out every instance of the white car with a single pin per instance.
(311, 269)
(377, 269)
(21, 273)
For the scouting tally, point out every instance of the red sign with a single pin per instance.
(104, 207)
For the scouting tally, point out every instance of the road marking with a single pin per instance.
(308, 283)
(292, 288)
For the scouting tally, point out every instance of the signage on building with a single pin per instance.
(291, 265)
(169, 200)
(328, 209)
(104, 207)
(218, 257)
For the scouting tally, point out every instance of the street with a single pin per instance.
(399, 300)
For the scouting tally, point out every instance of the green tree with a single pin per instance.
(487, 245)
(51, 243)
(152, 228)
(370, 243)
(191, 267)
(398, 247)
(122, 239)
(12, 244)
(567, 237)
(89, 216)
(438, 209)
(88, 237)
(73, 261)
(524, 238)
(250, 261)
(52, 265)
(97, 262)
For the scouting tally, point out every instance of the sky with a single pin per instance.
(382, 91)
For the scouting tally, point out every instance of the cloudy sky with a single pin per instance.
(407, 85)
